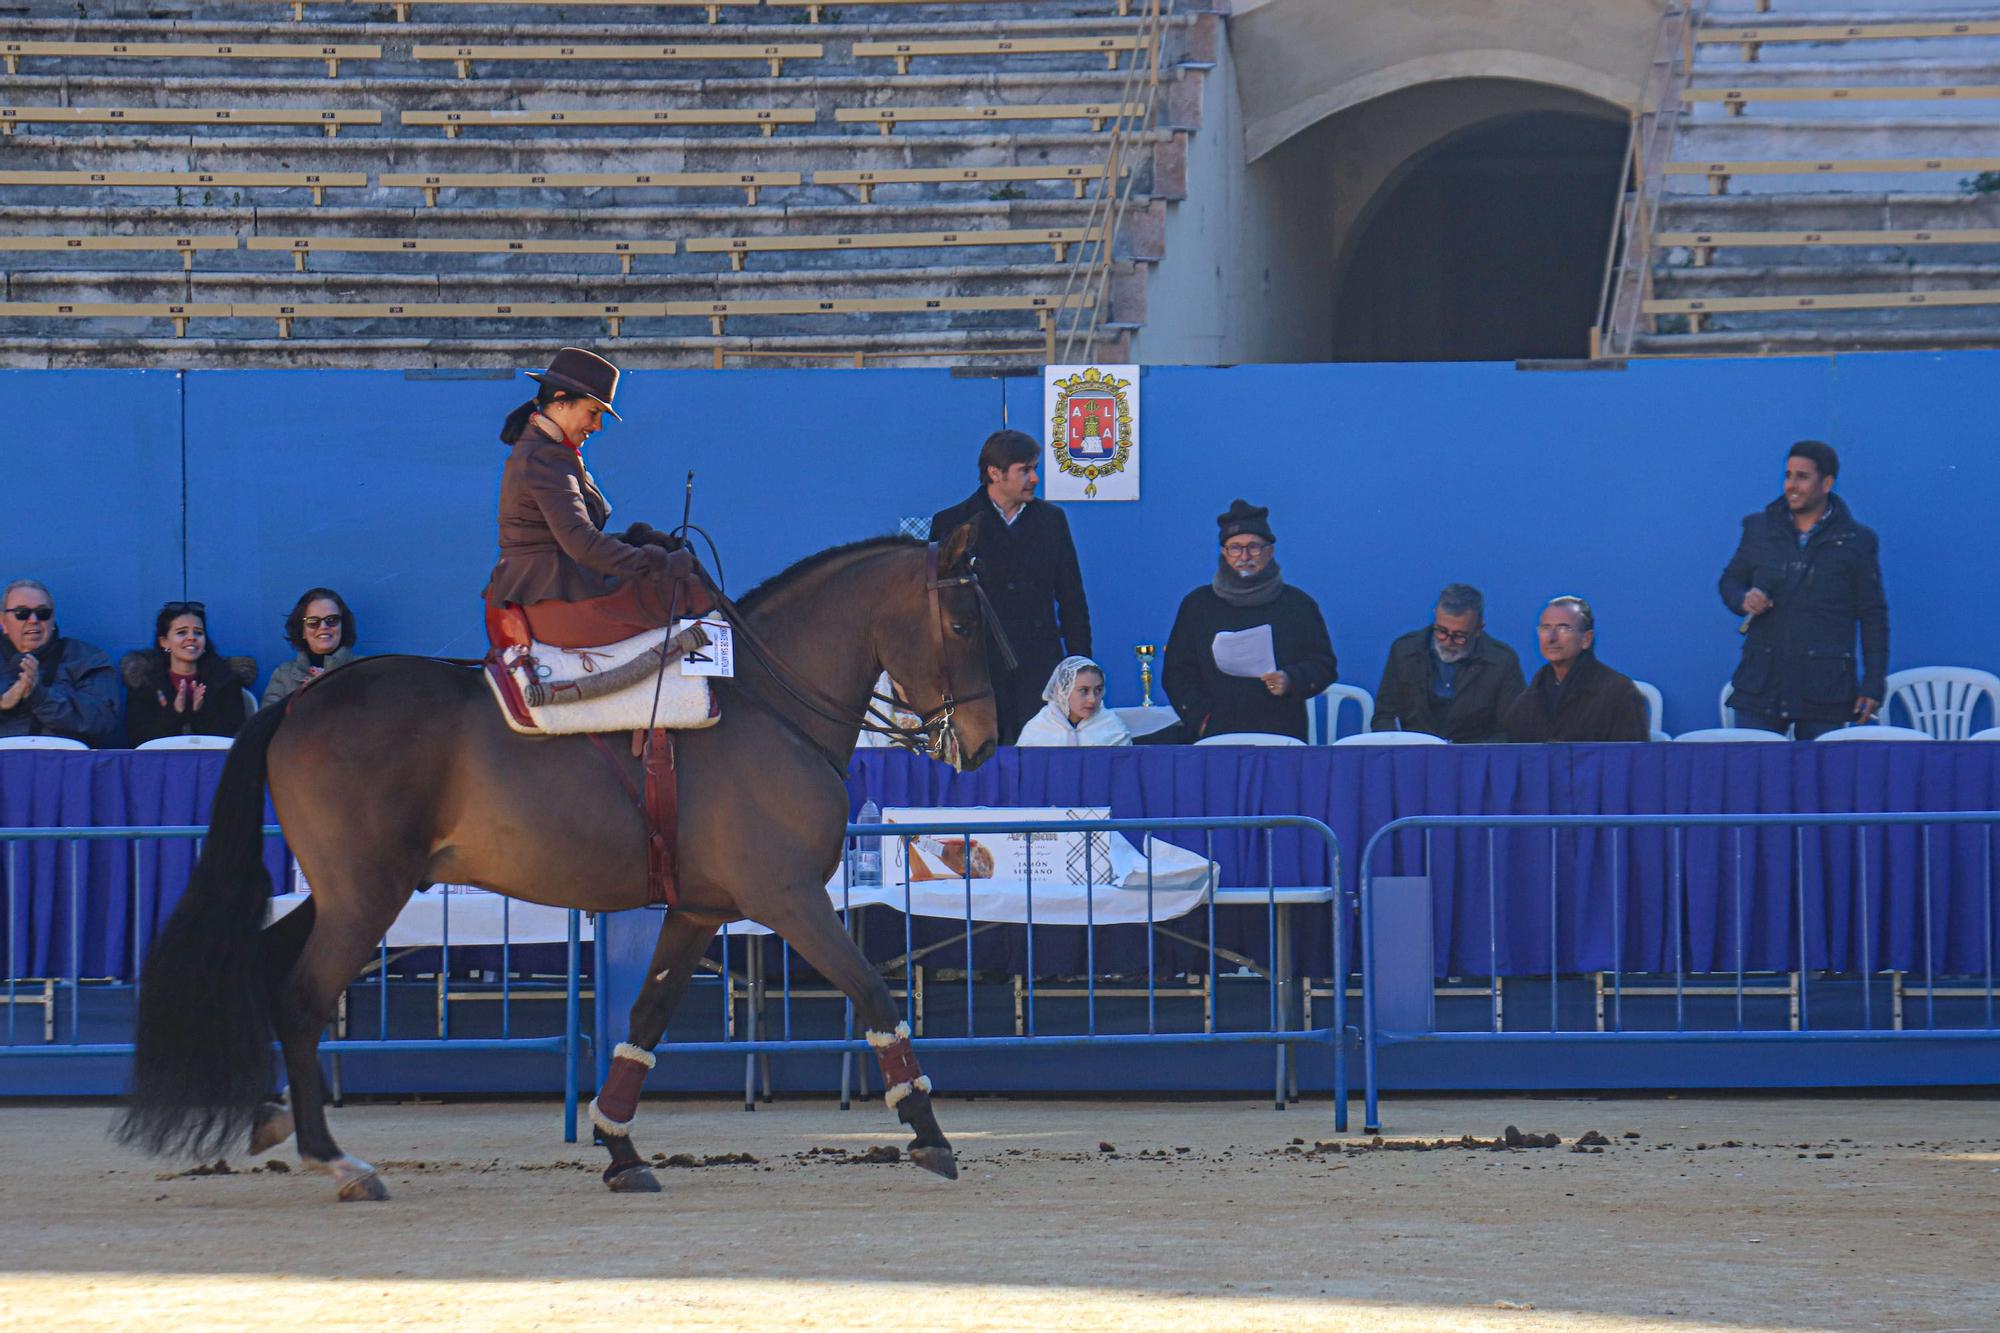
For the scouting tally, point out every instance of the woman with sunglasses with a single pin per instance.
(321, 628)
(182, 686)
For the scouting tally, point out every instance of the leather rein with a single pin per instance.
(936, 733)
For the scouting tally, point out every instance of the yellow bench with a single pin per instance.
(748, 181)
(179, 314)
(1738, 98)
(316, 181)
(1718, 173)
(739, 248)
(10, 116)
(765, 118)
(813, 7)
(1750, 38)
(301, 246)
(1698, 311)
(1078, 173)
(15, 52)
(887, 118)
(775, 53)
(402, 7)
(904, 52)
(186, 245)
(1706, 243)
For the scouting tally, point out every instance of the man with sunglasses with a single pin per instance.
(51, 685)
(1451, 678)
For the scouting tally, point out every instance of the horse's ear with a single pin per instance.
(957, 548)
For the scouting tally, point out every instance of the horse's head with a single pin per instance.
(939, 657)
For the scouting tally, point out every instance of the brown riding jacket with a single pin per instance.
(552, 539)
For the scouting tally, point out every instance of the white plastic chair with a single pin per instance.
(1655, 708)
(251, 703)
(1877, 731)
(1334, 694)
(1249, 738)
(1722, 705)
(40, 743)
(1940, 700)
(1990, 734)
(1391, 738)
(188, 743)
(1729, 734)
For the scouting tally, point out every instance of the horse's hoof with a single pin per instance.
(275, 1126)
(364, 1189)
(937, 1160)
(632, 1178)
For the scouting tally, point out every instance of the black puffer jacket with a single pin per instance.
(1798, 657)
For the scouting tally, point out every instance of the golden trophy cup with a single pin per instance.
(1145, 653)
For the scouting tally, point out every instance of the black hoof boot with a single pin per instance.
(631, 1178)
(936, 1159)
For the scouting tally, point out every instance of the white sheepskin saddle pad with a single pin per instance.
(558, 676)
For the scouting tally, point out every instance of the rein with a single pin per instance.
(935, 734)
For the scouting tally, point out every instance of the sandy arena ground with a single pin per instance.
(1741, 1213)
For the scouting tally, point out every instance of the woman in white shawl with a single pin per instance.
(1074, 711)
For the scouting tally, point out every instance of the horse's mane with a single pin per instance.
(798, 570)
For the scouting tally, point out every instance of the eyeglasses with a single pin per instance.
(1237, 550)
(185, 608)
(32, 612)
(1454, 637)
(1559, 630)
(329, 622)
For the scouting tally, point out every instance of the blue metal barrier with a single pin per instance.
(66, 986)
(620, 973)
(1735, 1052)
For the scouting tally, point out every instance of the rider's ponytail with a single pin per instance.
(517, 420)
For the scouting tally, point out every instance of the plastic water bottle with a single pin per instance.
(868, 851)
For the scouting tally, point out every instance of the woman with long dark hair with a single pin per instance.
(575, 584)
(181, 686)
(321, 628)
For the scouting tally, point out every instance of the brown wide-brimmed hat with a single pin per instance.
(577, 371)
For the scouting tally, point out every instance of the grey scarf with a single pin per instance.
(1259, 590)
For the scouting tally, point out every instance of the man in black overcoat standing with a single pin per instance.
(1028, 567)
(1804, 575)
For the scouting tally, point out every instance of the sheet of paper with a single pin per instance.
(718, 658)
(1245, 652)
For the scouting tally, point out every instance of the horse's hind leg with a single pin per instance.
(284, 940)
(811, 927)
(681, 943)
(339, 945)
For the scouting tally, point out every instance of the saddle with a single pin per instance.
(546, 690)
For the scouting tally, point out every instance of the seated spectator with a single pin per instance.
(183, 687)
(1247, 593)
(52, 685)
(321, 629)
(1073, 711)
(901, 716)
(1575, 697)
(1452, 679)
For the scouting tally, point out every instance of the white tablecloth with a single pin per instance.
(476, 917)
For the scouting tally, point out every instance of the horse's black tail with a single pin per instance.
(203, 1061)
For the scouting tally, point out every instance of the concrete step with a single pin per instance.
(1787, 136)
(1805, 341)
(1681, 283)
(1846, 211)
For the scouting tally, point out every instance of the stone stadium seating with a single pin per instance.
(459, 189)
(1832, 181)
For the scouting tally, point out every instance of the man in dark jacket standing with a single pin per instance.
(1804, 574)
(1451, 679)
(1575, 697)
(1028, 568)
(50, 684)
(1247, 593)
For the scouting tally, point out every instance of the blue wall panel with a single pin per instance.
(1385, 483)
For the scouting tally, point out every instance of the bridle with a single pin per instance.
(935, 733)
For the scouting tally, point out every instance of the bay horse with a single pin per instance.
(398, 771)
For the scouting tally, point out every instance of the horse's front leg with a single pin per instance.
(810, 926)
(682, 942)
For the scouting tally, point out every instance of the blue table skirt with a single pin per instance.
(1716, 899)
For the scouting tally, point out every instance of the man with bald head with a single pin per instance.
(51, 685)
(1575, 697)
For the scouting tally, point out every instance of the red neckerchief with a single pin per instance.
(574, 446)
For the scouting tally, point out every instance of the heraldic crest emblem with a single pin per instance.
(1092, 425)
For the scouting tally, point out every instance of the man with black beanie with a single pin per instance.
(1247, 593)
(1027, 565)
